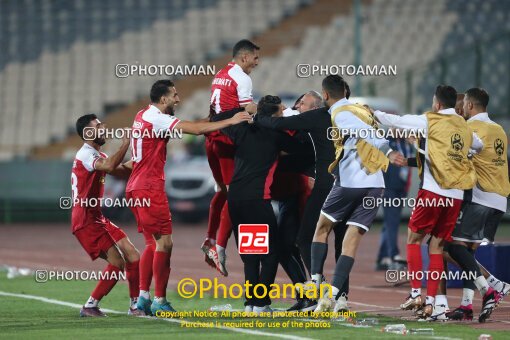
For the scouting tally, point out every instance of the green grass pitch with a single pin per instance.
(22, 318)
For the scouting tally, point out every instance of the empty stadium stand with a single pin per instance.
(66, 67)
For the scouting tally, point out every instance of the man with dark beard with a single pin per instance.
(154, 126)
(98, 236)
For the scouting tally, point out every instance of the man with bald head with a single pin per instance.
(309, 101)
(309, 116)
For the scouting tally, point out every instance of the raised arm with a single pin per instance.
(111, 163)
(123, 170)
(200, 127)
(409, 122)
(303, 121)
(347, 120)
(476, 145)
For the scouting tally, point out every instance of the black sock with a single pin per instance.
(469, 284)
(465, 259)
(345, 288)
(319, 253)
(342, 271)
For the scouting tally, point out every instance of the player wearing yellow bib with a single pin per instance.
(480, 215)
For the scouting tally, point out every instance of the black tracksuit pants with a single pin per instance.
(258, 269)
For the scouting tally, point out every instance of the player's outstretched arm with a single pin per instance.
(111, 163)
(303, 121)
(408, 122)
(200, 127)
(123, 170)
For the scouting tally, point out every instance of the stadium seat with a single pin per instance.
(72, 49)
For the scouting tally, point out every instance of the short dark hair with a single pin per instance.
(478, 96)
(335, 86)
(244, 46)
(297, 101)
(268, 105)
(446, 95)
(159, 89)
(347, 91)
(83, 122)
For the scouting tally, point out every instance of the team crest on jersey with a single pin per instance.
(499, 147)
(101, 180)
(457, 142)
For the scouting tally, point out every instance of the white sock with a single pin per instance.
(132, 302)
(442, 300)
(317, 278)
(145, 294)
(429, 300)
(495, 283)
(220, 249)
(415, 292)
(481, 284)
(159, 300)
(334, 291)
(467, 297)
(91, 302)
(213, 241)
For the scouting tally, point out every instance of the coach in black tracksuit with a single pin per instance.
(316, 122)
(249, 200)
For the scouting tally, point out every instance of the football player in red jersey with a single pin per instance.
(231, 88)
(98, 235)
(155, 125)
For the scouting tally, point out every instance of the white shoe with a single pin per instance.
(341, 304)
(506, 289)
(438, 314)
(324, 305)
(222, 261)
(311, 289)
(264, 309)
(248, 309)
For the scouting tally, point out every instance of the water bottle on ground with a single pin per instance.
(367, 322)
(221, 308)
(421, 331)
(399, 328)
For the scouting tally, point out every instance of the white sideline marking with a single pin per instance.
(55, 302)
(75, 305)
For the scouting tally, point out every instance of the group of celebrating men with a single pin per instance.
(262, 152)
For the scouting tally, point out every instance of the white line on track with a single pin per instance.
(77, 306)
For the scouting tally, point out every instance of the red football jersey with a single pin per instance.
(231, 88)
(149, 149)
(86, 183)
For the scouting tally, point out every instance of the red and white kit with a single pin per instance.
(147, 180)
(231, 88)
(94, 231)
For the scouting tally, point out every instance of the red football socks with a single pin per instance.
(104, 286)
(225, 227)
(146, 261)
(161, 270)
(436, 268)
(133, 277)
(218, 201)
(414, 264)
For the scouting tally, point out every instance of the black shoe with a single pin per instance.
(460, 314)
(303, 305)
(381, 266)
(397, 266)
